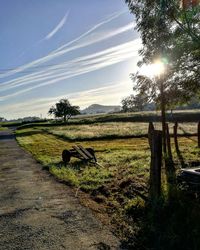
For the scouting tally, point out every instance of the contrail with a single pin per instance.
(68, 66)
(57, 52)
(112, 17)
(50, 35)
(81, 66)
(95, 39)
(58, 27)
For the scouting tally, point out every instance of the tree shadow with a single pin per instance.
(28, 133)
(6, 137)
(98, 138)
(179, 154)
(181, 159)
(168, 225)
(194, 163)
(76, 165)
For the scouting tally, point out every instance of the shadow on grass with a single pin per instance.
(28, 133)
(7, 137)
(100, 138)
(76, 165)
(96, 138)
(178, 152)
(181, 159)
(194, 164)
(169, 225)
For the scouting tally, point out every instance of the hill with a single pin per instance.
(99, 109)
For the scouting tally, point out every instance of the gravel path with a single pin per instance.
(36, 212)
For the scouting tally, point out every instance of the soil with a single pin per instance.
(37, 212)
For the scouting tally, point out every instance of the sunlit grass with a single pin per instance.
(113, 130)
(2, 128)
(124, 164)
(119, 159)
(99, 130)
(129, 155)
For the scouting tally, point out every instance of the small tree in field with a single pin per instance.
(64, 109)
(2, 119)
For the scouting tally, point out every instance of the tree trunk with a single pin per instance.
(163, 117)
(169, 161)
(65, 118)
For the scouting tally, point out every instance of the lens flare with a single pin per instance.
(152, 70)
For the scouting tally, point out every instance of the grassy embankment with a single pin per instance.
(142, 117)
(2, 129)
(121, 184)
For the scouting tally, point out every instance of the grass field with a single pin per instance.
(187, 116)
(113, 130)
(121, 184)
(2, 128)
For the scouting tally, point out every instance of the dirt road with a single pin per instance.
(36, 212)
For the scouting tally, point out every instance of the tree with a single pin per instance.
(2, 119)
(135, 102)
(170, 33)
(128, 104)
(64, 109)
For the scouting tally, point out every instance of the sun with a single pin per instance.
(152, 70)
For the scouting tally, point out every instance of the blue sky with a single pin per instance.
(75, 49)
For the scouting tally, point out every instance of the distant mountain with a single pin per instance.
(99, 109)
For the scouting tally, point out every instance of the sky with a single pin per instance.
(52, 49)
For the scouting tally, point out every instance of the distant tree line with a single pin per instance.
(2, 119)
(134, 103)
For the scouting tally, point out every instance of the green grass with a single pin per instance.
(112, 130)
(136, 117)
(99, 130)
(122, 181)
(47, 149)
(3, 128)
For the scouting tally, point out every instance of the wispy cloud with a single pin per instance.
(84, 98)
(73, 68)
(95, 27)
(58, 26)
(47, 37)
(63, 49)
(96, 38)
(39, 74)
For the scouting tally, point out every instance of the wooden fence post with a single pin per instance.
(150, 132)
(198, 133)
(151, 127)
(156, 163)
(169, 151)
(177, 146)
(176, 137)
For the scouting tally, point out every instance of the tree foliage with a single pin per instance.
(63, 109)
(172, 33)
(2, 119)
(128, 104)
(135, 103)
